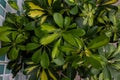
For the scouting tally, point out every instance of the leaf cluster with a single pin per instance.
(59, 39)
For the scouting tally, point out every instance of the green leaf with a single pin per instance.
(4, 50)
(101, 76)
(39, 33)
(48, 27)
(35, 39)
(13, 54)
(44, 60)
(79, 42)
(59, 61)
(116, 66)
(106, 74)
(30, 26)
(100, 20)
(66, 49)
(36, 56)
(21, 47)
(4, 36)
(117, 51)
(69, 38)
(95, 61)
(74, 10)
(49, 38)
(55, 50)
(20, 38)
(58, 18)
(67, 22)
(98, 42)
(13, 4)
(32, 46)
(73, 25)
(77, 32)
(90, 21)
(14, 35)
(4, 28)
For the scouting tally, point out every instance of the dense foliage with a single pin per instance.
(59, 39)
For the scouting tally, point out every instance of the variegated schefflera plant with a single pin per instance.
(59, 39)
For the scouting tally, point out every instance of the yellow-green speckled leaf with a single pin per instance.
(33, 6)
(35, 13)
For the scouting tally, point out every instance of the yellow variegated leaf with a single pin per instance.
(43, 19)
(29, 69)
(43, 76)
(87, 52)
(72, 1)
(110, 2)
(49, 38)
(55, 50)
(50, 2)
(51, 75)
(33, 6)
(48, 27)
(35, 13)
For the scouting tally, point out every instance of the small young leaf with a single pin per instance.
(32, 46)
(43, 19)
(72, 25)
(58, 18)
(67, 22)
(79, 42)
(74, 10)
(44, 60)
(50, 2)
